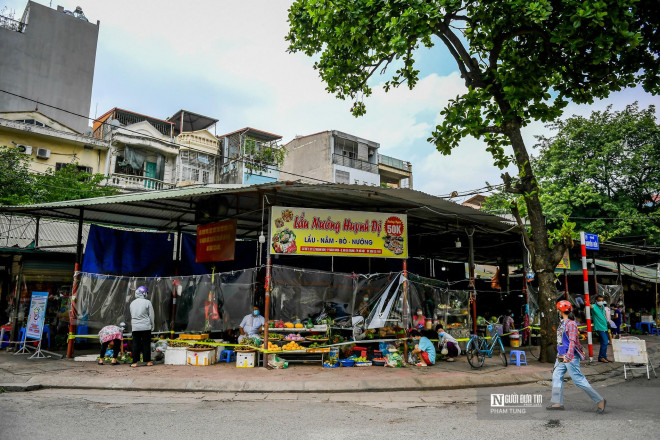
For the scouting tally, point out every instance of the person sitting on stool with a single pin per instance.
(251, 325)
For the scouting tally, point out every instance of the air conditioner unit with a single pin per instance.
(25, 149)
(43, 153)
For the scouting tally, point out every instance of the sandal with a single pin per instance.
(100, 362)
(600, 410)
(134, 365)
(150, 364)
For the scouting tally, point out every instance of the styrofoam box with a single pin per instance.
(175, 356)
(245, 360)
(201, 358)
(647, 318)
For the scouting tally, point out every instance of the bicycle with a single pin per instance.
(477, 349)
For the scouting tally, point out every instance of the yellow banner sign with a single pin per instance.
(565, 262)
(327, 232)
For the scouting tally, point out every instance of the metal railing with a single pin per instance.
(11, 24)
(393, 162)
(358, 164)
(125, 181)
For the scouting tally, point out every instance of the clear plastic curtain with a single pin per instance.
(203, 306)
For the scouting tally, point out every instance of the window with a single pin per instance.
(60, 165)
(346, 148)
(342, 176)
(195, 165)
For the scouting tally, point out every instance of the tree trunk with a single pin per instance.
(544, 258)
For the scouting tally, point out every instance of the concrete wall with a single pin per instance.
(61, 149)
(309, 156)
(52, 61)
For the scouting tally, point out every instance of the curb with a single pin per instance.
(367, 385)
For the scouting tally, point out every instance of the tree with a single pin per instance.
(521, 61)
(616, 193)
(19, 187)
(16, 182)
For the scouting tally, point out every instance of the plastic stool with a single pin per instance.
(362, 350)
(46, 333)
(227, 356)
(81, 330)
(655, 331)
(519, 355)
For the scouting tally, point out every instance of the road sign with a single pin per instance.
(591, 242)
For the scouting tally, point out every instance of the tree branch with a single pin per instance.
(528, 242)
(491, 129)
(498, 43)
(508, 187)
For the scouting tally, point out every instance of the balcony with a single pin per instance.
(393, 162)
(357, 164)
(11, 24)
(137, 183)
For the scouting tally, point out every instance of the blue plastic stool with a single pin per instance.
(81, 330)
(46, 333)
(21, 335)
(519, 355)
(227, 356)
(655, 331)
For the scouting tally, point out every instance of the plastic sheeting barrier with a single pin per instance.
(105, 299)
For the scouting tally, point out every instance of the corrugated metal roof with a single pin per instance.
(434, 222)
(19, 232)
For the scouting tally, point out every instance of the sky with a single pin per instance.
(228, 60)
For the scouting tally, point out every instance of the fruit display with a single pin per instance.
(293, 337)
(271, 347)
(288, 325)
(292, 346)
(337, 339)
(317, 338)
(279, 324)
(299, 325)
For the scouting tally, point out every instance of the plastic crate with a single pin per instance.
(194, 337)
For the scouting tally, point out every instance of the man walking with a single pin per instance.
(601, 326)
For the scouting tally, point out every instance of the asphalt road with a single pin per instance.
(633, 412)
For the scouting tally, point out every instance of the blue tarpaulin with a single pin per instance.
(116, 252)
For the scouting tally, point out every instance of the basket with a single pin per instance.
(346, 362)
(325, 365)
(318, 340)
(363, 364)
(378, 363)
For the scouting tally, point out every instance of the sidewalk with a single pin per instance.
(17, 373)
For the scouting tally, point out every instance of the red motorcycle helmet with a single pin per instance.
(564, 306)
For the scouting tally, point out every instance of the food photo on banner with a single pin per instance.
(327, 232)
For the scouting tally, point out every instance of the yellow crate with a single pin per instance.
(196, 337)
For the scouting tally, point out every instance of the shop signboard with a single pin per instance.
(327, 232)
(216, 241)
(35, 321)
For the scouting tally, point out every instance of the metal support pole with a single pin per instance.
(405, 306)
(565, 285)
(17, 303)
(472, 281)
(267, 288)
(76, 283)
(657, 300)
(36, 234)
(593, 261)
(585, 279)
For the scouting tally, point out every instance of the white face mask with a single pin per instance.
(419, 312)
(601, 303)
(366, 299)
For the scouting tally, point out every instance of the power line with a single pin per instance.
(177, 146)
